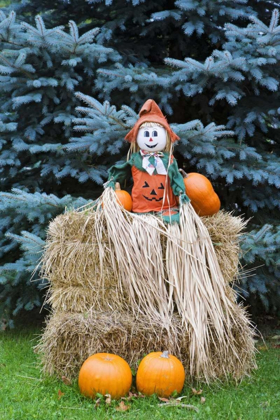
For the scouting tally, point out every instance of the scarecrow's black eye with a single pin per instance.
(146, 134)
(154, 134)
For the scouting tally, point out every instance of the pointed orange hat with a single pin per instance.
(150, 112)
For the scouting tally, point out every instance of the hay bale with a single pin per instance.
(73, 225)
(71, 255)
(70, 338)
(93, 304)
(72, 262)
(81, 299)
(225, 231)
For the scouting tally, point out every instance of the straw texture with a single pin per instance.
(71, 263)
(225, 231)
(206, 303)
(127, 283)
(70, 338)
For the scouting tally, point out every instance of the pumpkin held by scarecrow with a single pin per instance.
(149, 279)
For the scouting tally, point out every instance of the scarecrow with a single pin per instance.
(152, 273)
(157, 182)
(185, 276)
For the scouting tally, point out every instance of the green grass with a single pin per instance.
(25, 394)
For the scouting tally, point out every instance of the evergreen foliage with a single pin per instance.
(24, 218)
(73, 76)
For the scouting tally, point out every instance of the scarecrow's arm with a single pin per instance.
(118, 173)
(177, 182)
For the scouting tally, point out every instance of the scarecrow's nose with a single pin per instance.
(151, 139)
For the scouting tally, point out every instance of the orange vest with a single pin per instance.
(151, 192)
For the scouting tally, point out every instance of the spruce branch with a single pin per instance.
(28, 74)
(24, 199)
(74, 31)
(96, 105)
(40, 25)
(29, 27)
(111, 73)
(259, 23)
(11, 42)
(274, 20)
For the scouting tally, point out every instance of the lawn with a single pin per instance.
(26, 394)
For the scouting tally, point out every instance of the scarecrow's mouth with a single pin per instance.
(153, 198)
(151, 147)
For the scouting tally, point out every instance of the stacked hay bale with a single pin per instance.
(71, 264)
(225, 231)
(91, 311)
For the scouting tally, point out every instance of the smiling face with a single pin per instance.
(151, 138)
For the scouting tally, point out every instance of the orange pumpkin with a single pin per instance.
(160, 373)
(123, 197)
(201, 193)
(105, 373)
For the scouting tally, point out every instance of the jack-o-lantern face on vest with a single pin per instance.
(152, 194)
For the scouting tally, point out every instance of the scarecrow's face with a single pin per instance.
(151, 139)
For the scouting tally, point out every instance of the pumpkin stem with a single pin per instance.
(165, 354)
(117, 186)
(185, 175)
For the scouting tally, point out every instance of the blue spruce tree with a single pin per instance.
(39, 71)
(213, 67)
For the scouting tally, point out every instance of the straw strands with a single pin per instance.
(136, 247)
(71, 263)
(225, 231)
(145, 286)
(70, 338)
(75, 299)
(204, 300)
